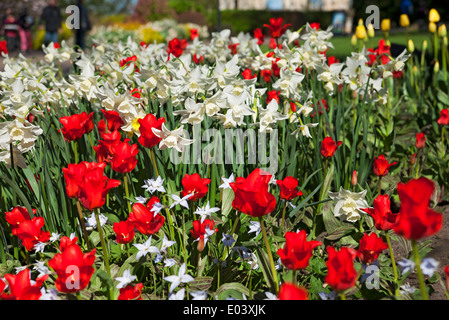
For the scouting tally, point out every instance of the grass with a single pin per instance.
(343, 47)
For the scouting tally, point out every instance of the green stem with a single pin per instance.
(379, 189)
(75, 150)
(342, 296)
(125, 182)
(270, 256)
(393, 263)
(83, 224)
(419, 271)
(103, 243)
(283, 215)
(418, 155)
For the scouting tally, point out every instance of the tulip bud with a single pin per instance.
(388, 42)
(413, 159)
(371, 31)
(360, 22)
(436, 67)
(404, 21)
(445, 41)
(424, 45)
(200, 245)
(354, 178)
(410, 46)
(432, 27)
(415, 70)
(442, 32)
(353, 40)
(360, 32)
(434, 16)
(385, 25)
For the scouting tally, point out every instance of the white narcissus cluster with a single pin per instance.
(204, 82)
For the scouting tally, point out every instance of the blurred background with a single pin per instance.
(161, 20)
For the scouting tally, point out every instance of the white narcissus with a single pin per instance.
(349, 204)
(172, 139)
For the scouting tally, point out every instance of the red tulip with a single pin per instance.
(144, 220)
(30, 232)
(259, 36)
(199, 229)
(147, 138)
(75, 126)
(265, 74)
(18, 215)
(131, 292)
(248, 75)
(124, 159)
(381, 165)
(73, 268)
(65, 242)
(341, 273)
(370, 247)
(194, 33)
(444, 117)
(329, 146)
(94, 188)
(420, 140)
(384, 219)
(74, 175)
(416, 220)
(273, 94)
(315, 25)
(297, 250)
(129, 60)
(20, 286)
(124, 231)
(105, 149)
(288, 188)
(176, 47)
(152, 201)
(289, 291)
(136, 93)
(275, 27)
(113, 119)
(196, 185)
(251, 194)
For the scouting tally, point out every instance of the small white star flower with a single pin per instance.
(254, 226)
(166, 243)
(91, 222)
(226, 182)
(182, 277)
(178, 295)
(206, 211)
(199, 295)
(145, 248)
(406, 265)
(54, 237)
(125, 279)
(270, 296)
(169, 263)
(40, 267)
(152, 185)
(181, 201)
(40, 246)
(327, 296)
(429, 266)
(227, 240)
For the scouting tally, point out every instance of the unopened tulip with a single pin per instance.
(354, 40)
(404, 21)
(370, 31)
(436, 67)
(434, 16)
(442, 32)
(410, 46)
(385, 25)
(432, 27)
(360, 32)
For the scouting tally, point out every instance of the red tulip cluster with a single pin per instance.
(75, 126)
(21, 287)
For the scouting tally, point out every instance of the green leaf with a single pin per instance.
(232, 289)
(201, 283)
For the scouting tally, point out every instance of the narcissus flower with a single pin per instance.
(147, 137)
(297, 250)
(21, 287)
(420, 140)
(444, 117)
(370, 247)
(288, 188)
(75, 126)
(124, 231)
(73, 268)
(341, 273)
(381, 165)
(144, 220)
(251, 194)
(194, 184)
(275, 27)
(384, 219)
(124, 157)
(31, 233)
(329, 146)
(289, 291)
(349, 204)
(416, 220)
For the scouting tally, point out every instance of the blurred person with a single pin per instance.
(51, 17)
(11, 31)
(84, 27)
(26, 21)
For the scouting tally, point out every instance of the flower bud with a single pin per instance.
(410, 46)
(354, 178)
(445, 41)
(200, 245)
(436, 67)
(360, 32)
(385, 25)
(442, 32)
(432, 27)
(415, 70)
(413, 159)
(424, 45)
(371, 31)
(354, 40)
(434, 16)
(404, 20)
